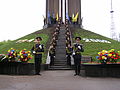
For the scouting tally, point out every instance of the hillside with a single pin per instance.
(91, 42)
(45, 34)
(94, 43)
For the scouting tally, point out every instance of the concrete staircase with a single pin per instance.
(60, 62)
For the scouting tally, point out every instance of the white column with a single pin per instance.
(66, 6)
(59, 8)
(63, 5)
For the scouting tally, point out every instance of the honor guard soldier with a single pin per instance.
(52, 54)
(37, 50)
(77, 49)
(69, 51)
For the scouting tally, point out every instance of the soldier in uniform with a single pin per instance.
(69, 51)
(77, 49)
(37, 50)
(52, 54)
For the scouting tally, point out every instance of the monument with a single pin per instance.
(64, 9)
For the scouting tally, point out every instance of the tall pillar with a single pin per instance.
(74, 6)
(52, 7)
(65, 9)
(61, 9)
(56, 7)
(47, 11)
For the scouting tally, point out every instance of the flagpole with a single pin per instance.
(61, 10)
(80, 21)
(65, 9)
(46, 11)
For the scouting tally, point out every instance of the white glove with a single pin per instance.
(34, 52)
(40, 47)
(73, 53)
(79, 47)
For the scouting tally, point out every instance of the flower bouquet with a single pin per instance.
(12, 54)
(102, 56)
(24, 56)
(108, 56)
(113, 56)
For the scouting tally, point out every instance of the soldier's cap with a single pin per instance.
(77, 38)
(39, 38)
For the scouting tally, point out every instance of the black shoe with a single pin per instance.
(38, 74)
(75, 74)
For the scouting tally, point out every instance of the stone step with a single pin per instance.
(60, 68)
(62, 35)
(60, 55)
(51, 68)
(60, 59)
(57, 63)
(60, 62)
(61, 47)
(61, 44)
(65, 64)
(60, 52)
(61, 40)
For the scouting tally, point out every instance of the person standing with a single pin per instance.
(69, 51)
(52, 54)
(37, 50)
(77, 49)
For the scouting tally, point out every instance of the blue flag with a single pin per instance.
(67, 16)
(49, 18)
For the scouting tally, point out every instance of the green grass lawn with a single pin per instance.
(92, 48)
(45, 34)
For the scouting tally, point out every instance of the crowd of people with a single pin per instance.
(53, 43)
(69, 48)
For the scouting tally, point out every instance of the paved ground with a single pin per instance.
(57, 80)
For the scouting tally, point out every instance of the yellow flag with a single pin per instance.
(75, 18)
(57, 17)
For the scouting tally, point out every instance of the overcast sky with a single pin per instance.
(21, 17)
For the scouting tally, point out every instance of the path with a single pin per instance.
(57, 80)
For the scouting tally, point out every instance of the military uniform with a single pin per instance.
(37, 50)
(52, 55)
(69, 51)
(77, 49)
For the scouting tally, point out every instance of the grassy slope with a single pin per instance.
(92, 48)
(45, 34)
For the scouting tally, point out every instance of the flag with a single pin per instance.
(53, 15)
(67, 16)
(48, 14)
(57, 17)
(76, 17)
(49, 19)
(73, 18)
